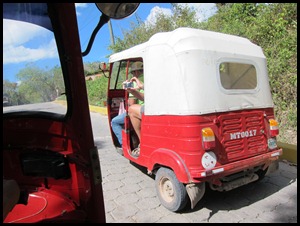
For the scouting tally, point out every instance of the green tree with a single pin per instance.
(10, 89)
(272, 26)
(58, 81)
(182, 16)
(37, 85)
(91, 68)
(97, 90)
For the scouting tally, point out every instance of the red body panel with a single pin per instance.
(42, 204)
(176, 142)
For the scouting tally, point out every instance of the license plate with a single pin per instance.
(241, 134)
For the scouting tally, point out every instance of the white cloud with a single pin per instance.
(80, 5)
(151, 19)
(21, 46)
(19, 54)
(203, 11)
(13, 34)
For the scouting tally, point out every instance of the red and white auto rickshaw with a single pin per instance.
(209, 115)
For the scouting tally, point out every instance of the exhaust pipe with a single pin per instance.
(227, 186)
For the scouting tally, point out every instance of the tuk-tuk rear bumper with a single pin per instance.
(234, 167)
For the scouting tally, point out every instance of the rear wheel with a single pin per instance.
(171, 193)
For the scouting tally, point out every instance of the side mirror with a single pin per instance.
(110, 10)
(117, 10)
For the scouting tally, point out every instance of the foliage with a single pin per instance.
(10, 89)
(91, 68)
(274, 28)
(182, 16)
(35, 85)
(97, 90)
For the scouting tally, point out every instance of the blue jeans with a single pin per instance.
(117, 124)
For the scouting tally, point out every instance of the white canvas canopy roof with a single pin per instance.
(181, 72)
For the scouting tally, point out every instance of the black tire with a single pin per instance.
(171, 193)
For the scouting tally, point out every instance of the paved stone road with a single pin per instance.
(130, 196)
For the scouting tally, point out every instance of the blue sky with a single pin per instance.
(88, 16)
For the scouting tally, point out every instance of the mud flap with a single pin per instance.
(273, 167)
(195, 192)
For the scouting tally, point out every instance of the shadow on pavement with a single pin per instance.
(246, 195)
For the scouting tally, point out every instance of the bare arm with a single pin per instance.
(138, 82)
(135, 91)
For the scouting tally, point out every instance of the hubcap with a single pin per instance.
(166, 189)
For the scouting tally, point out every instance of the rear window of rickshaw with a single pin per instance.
(32, 75)
(237, 76)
